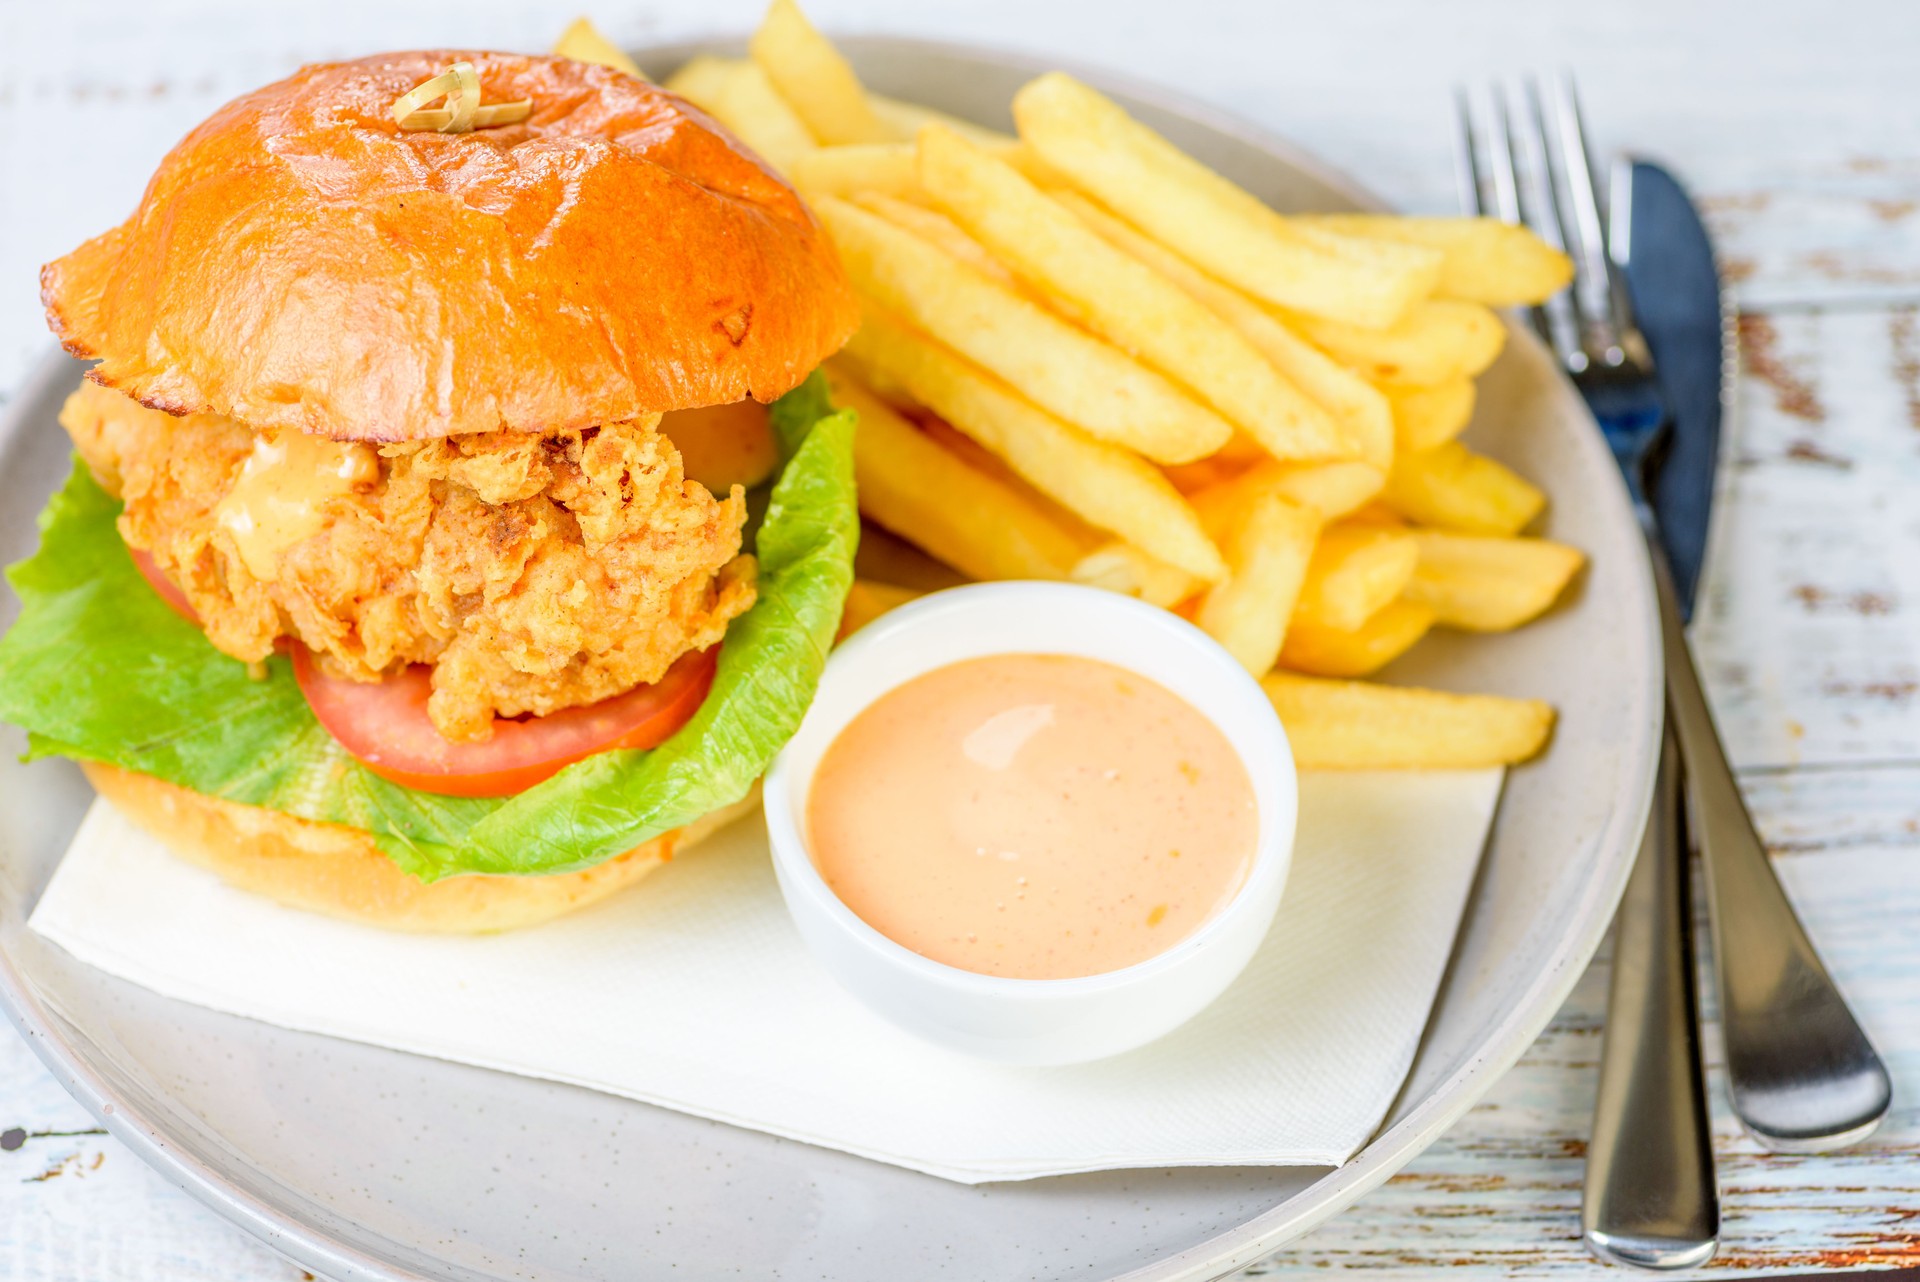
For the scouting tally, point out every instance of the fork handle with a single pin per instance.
(1802, 1074)
(1650, 1199)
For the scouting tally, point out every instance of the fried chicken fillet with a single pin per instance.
(534, 572)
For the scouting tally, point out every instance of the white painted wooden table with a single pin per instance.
(1798, 124)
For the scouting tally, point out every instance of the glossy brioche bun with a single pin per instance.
(331, 869)
(299, 261)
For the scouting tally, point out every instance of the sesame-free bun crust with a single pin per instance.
(299, 261)
(336, 870)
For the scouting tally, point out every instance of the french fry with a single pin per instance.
(1122, 299)
(1194, 211)
(907, 119)
(811, 75)
(1485, 260)
(1489, 585)
(1335, 489)
(702, 80)
(956, 513)
(1241, 451)
(1356, 725)
(867, 600)
(1453, 488)
(891, 168)
(738, 94)
(583, 42)
(1221, 507)
(1267, 542)
(1355, 404)
(1356, 571)
(1225, 463)
(1061, 368)
(1359, 407)
(887, 167)
(1191, 478)
(1120, 567)
(1332, 489)
(1337, 652)
(942, 492)
(886, 557)
(1377, 513)
(1114, 564)
(938, 229)
(1437, 341)
(1103, 485)
(1424, 417)
(970, 451)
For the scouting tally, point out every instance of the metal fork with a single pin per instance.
(1802, 1075)
(1650, 1196)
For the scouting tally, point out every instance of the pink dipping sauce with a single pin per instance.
(1035, 816)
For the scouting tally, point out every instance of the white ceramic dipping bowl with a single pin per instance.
(1035, 1021)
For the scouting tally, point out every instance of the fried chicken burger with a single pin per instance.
(408, 568)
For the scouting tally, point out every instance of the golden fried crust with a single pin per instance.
(300, 262)
(535, 572)
(336, 870)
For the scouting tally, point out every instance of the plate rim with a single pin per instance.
(306, 1243)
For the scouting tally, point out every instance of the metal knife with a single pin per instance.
(1802, 1074)
(1663, 252)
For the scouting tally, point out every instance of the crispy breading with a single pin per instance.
(534, 572)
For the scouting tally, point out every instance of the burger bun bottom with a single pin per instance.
(337, 870)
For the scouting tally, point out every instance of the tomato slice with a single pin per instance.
(169, 590)
(384, 725)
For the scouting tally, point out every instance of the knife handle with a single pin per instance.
(1650, 1199)
(1803, 1076)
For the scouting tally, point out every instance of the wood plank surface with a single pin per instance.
(1810, 637)
(1795, 125)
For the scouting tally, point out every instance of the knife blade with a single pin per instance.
(1675, 287)
(1802, 1073)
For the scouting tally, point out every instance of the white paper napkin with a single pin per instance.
(695, 993)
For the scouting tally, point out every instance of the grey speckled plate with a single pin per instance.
(360, 1163)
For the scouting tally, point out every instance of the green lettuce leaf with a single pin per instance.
(98, 667)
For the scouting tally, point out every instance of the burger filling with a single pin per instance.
(533, 572)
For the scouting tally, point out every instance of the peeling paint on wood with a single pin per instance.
(1901, 337)
(1793, 393)
(1827, 228)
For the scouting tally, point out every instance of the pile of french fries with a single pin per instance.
(1086, 357)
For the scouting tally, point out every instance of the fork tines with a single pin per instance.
(1530, 166)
